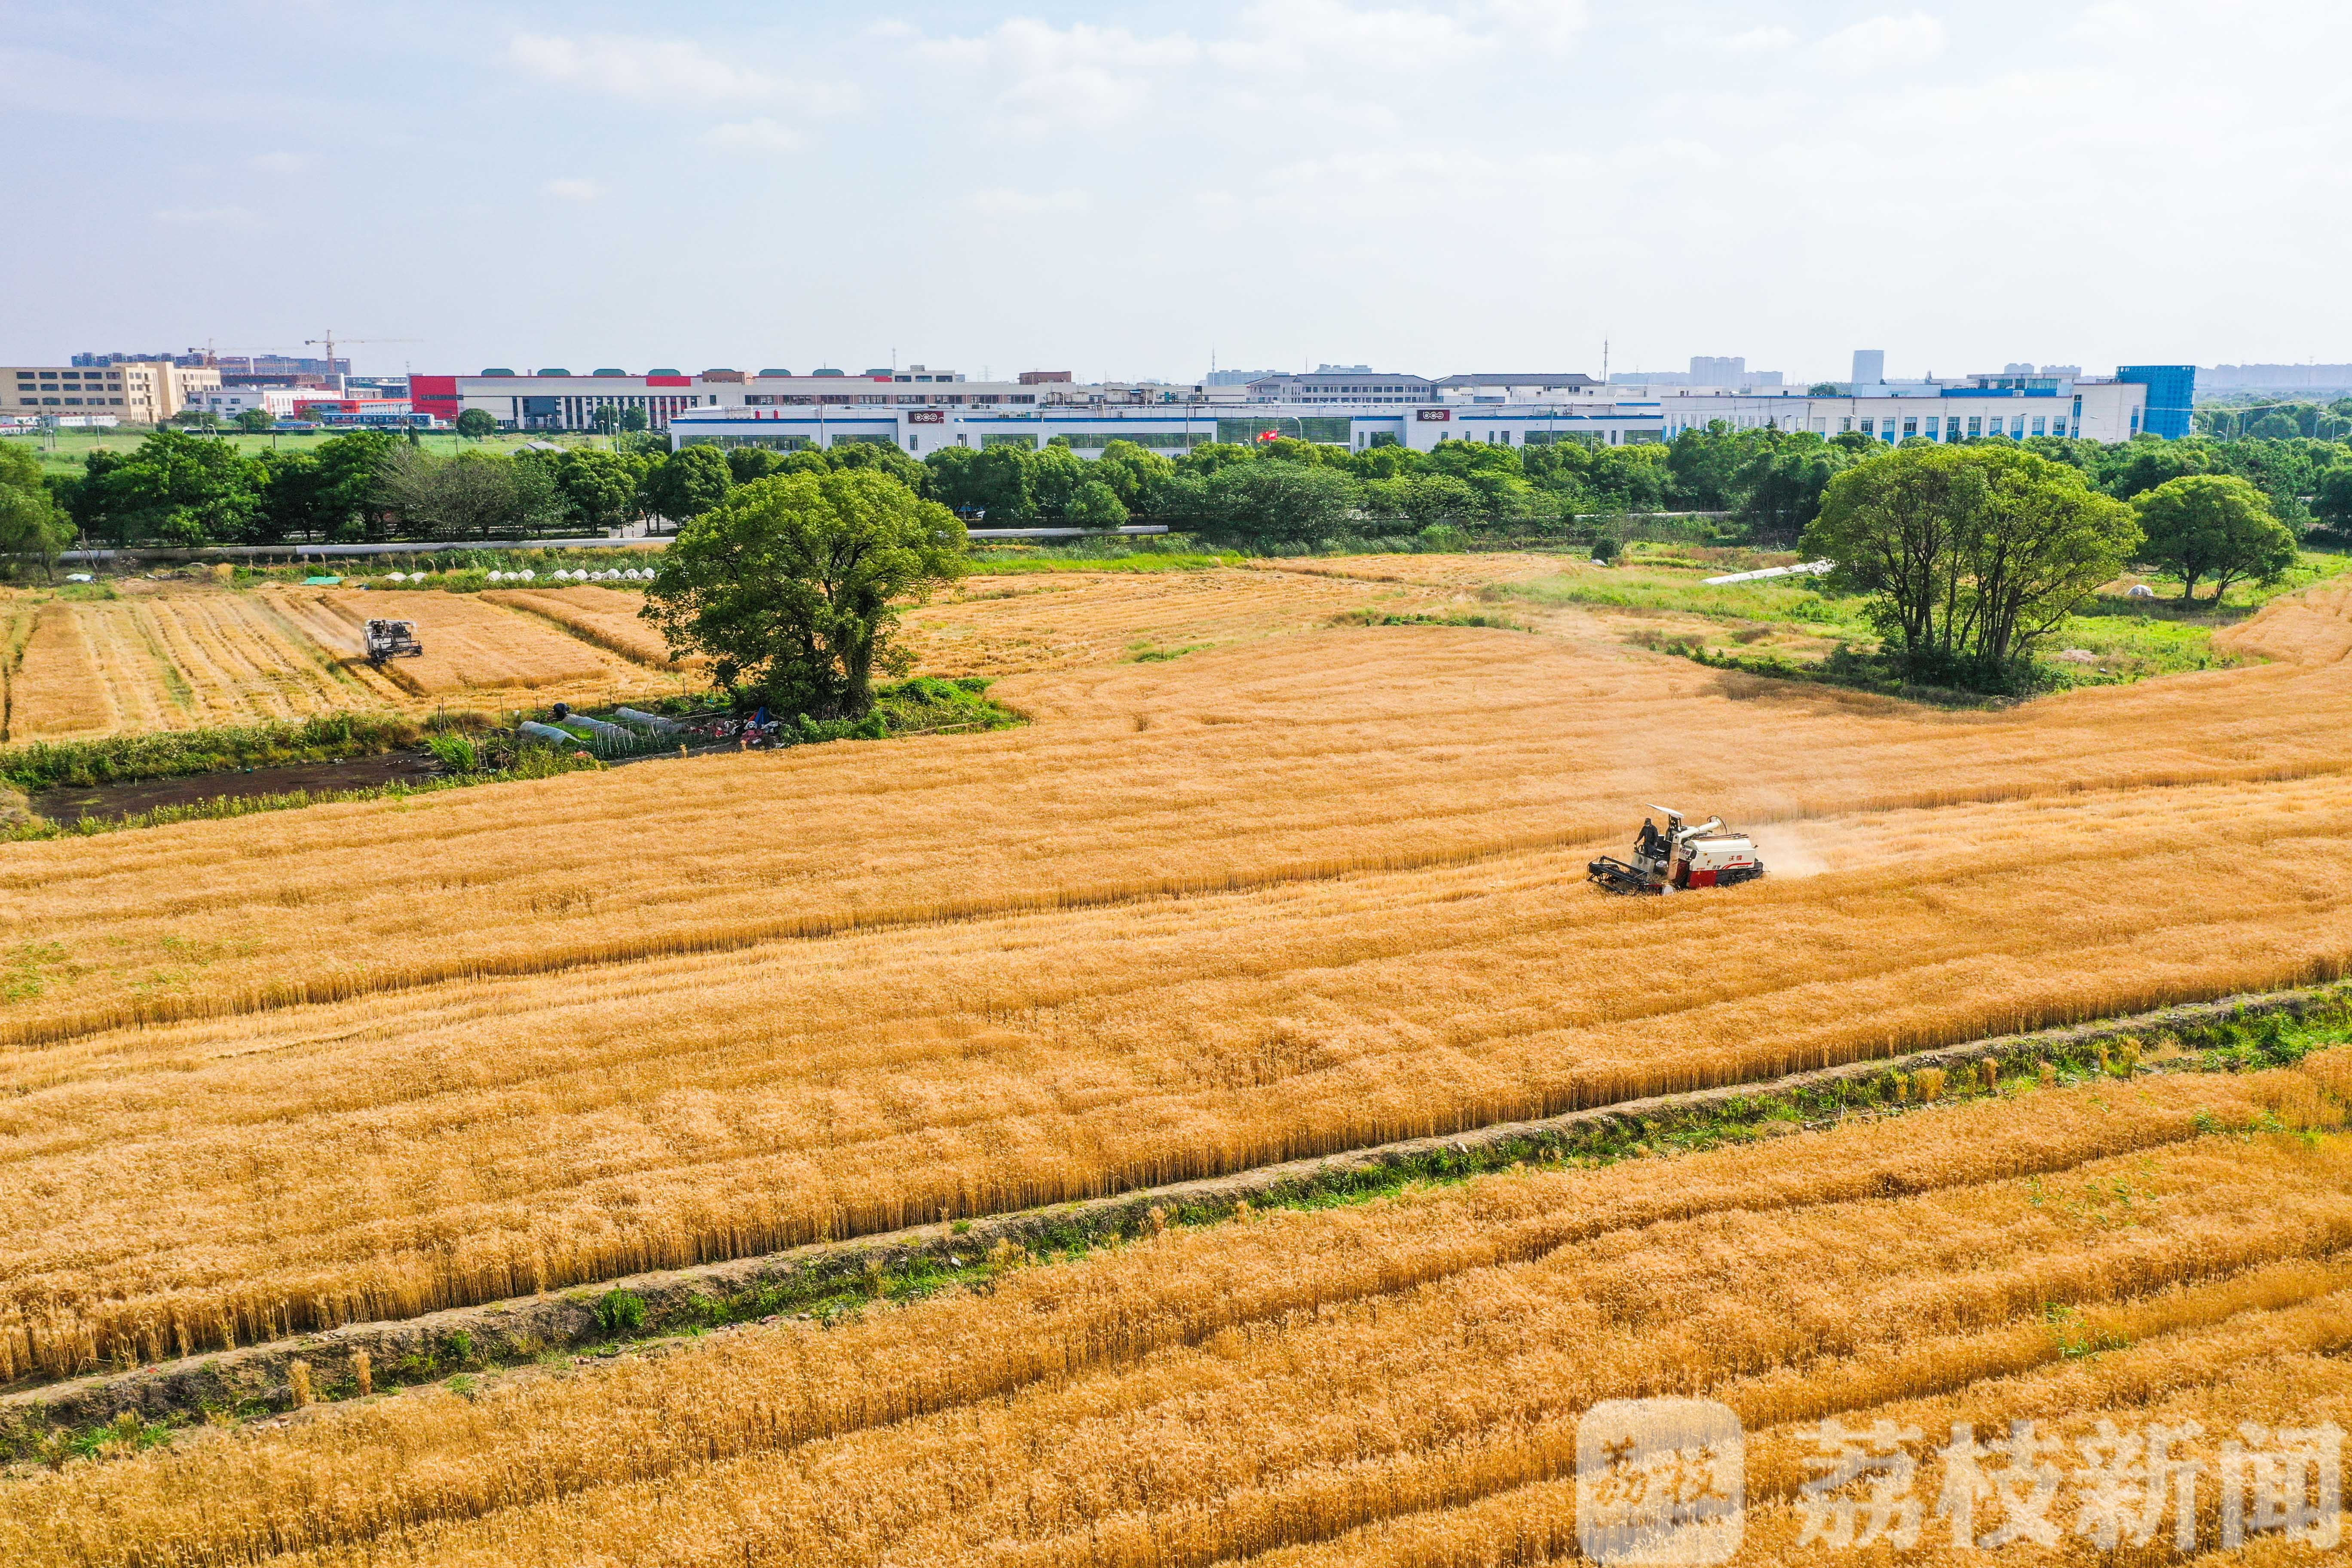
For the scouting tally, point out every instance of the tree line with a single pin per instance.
(191, 490)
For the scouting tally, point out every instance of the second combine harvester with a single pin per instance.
(1707, 856)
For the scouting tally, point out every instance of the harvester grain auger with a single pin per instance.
(1706, 855)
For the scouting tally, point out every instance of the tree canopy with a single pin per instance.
(30, 523)
(793, 584)
(1973, 553)
(2213, 528)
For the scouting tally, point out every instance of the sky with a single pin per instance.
(1130, 191)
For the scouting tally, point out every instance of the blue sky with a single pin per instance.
(1123, 190)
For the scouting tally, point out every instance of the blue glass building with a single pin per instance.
(2172, 389)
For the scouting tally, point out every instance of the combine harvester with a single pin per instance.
(1707, 856)
(392, 640)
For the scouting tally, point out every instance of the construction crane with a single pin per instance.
(330, 341)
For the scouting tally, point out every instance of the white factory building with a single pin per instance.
(1172, 426)
(2092, 408)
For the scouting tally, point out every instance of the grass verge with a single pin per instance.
(178, 753)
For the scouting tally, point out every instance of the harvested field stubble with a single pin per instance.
(469, 646)
(605, 616)
(1007, 625)
(1396, 1382)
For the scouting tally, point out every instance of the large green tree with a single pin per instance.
(173, 489)
(1780, 488)
(1275, 504)
(2333, 502)
(793, 586)
(688, 483)
(1973, 554)
(30, 523)
(2213, 528)
(599, 489)
(473, 495)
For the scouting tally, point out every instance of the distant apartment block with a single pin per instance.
(144, 392)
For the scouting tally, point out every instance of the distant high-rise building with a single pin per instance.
(2020, 367)
(1237, 377)
(1718, 370)
(1869, 368)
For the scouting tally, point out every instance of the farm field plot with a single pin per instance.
(605, 616)
(55, 691)
(176, 660)
(1424, 570)
(1309, 893)
(459, 1142)
(1396, 1383)
(1006, 626)
(469, 646)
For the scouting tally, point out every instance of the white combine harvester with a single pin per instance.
(1707, 856)
(392, 639)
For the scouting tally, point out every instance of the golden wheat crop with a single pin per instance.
(55, 691)
(469, 646)
(605, 616)
(1397, 1382)
(1309, 894)
(470, 1138)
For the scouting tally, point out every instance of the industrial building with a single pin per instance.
(1172, 421)
(2097, 409)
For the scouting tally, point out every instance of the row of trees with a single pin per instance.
(179, 488)
(2276, 421)
(793, 577)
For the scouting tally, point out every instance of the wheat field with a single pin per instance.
(1062, 620)
(1307, 887)
(1397, 1382)
(178, 658)
(604, 616)
(1300, 895)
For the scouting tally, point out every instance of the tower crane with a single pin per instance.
(330, 341)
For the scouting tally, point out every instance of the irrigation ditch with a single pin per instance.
(818, 1283)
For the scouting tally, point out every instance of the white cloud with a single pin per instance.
(2111, 21)
(1044, 76)
(1882, 42)
(1313, 37)
(648, 68)
(205, 217)
(1756, 41)
(1547, 24)
(761, 135)
(1003, 201)
(574, 190)
(282, 162)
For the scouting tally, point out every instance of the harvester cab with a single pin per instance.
(392, 639)
(1708, 855)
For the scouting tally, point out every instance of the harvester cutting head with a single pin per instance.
(1707, 856)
